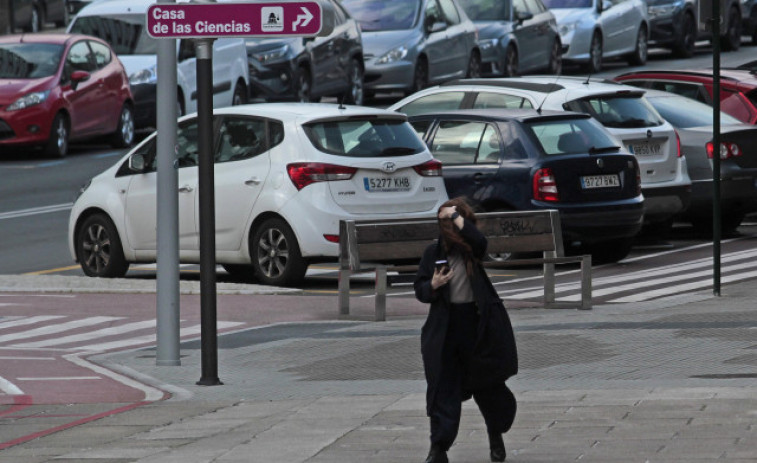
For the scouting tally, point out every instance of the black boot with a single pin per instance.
(436, 455)
(497, 450)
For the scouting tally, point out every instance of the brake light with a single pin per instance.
(678, 145)
(727, 150)
(332, 238)
(432, 168)
(545, 187)
(303, 174)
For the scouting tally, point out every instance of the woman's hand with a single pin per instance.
(441, 277)
(446, 212)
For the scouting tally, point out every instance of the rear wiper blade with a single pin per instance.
(604, 149)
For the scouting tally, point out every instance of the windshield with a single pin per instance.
(29, 60)
(685, 113)
(486, 10)
(567, 3)
(365, 138)
(125, 33)
(383, 15)
(626, 112)
(572, 136)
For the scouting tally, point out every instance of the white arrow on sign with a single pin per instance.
(306, 18)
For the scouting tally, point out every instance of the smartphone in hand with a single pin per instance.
(442, 265)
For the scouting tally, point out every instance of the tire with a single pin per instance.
(510, 65)
(98, 248)
(276, 255)
(420, 76)
(609, 252)
(686, 45)
(657, 230)
(36, 21)
(240, 95)
(500, 257)
(304, 86)
(474, 66)
(65, 20)
(181, 110)
(732, 39)
(355, 93)
(595, 54)
(240, 271)
(123, 137)
(729, 222)
(639, 55)
(57, 143)
(555, 59)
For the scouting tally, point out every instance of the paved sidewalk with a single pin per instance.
(671, 380)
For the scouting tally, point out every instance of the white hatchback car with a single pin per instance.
(622, 109)
(285, 175)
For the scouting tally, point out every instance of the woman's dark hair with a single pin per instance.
(451, 239)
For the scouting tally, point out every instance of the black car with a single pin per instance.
(306, 69)
(529, 159)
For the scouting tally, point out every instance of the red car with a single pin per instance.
(738, 88)
(55, 88)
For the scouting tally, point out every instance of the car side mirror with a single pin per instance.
(603, 5)
(437, 27)
(137, 162)
(78, 76)
(523, 16)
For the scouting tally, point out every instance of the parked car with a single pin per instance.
(306, 69)
(122, 23)
(594, 30)
(515, 37)
(55, 88)
(523, 159)
(738, 159)
(738, 88)
(409, 44)
(620, 108)
(32, 15)
(285, 175)
(749, 19)
(679, 24)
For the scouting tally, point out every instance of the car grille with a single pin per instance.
(5, 131)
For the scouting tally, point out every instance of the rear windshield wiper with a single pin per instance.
(604, 149)
(397, 151)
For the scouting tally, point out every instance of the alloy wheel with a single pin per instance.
(273, 253)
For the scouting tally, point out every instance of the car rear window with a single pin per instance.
(568, 3)
(571, 136)
(684, 112)
(613, 111)
(752, 97)
(126, 34)
(486, 10)
(383, 15)
(29, 60)
(365, 138)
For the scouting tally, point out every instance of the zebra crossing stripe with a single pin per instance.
(110, 331)
(683, 288)
(151, 338)
(28, 321)
(52, 329)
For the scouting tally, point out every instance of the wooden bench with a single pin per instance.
(379, 244)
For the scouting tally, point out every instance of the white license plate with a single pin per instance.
(645, 149)
(384, 184)
(599, 181)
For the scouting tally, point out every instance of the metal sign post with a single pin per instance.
(207, 22)
(716, 221)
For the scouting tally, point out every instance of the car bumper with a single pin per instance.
(30, 126)
(145, 98)
(596, 222)
(389, 77)
(273, 82)
(664, 203)
(736, 194)
(576, 45)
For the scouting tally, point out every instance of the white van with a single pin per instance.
(121, 23)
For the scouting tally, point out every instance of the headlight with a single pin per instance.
(488, 44)
(663, 11)
(565, 29)
(28, 100)
(145, 76)
(393, 55)
(271, 55)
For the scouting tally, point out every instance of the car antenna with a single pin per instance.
(341, 102)
(557, 77)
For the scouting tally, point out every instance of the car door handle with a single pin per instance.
(252, 181)
(477, 177)
(186, 189)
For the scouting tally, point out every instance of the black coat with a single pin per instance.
(495, 355)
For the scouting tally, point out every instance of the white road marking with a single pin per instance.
(151, 394)
(9, 388)
(36, 211)
(59, 378)
(151, 338)
(113, 330)
(57, 328)
(27, 358)
(28, 321)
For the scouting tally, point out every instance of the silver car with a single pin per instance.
(515, 36)
(592, 30)
(409, 44)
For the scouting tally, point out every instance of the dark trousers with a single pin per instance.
(496, 403)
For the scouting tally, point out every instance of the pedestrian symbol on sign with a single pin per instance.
(271, 18)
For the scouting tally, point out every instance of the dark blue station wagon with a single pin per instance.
(529, 159)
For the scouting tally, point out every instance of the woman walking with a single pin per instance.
(467, 342)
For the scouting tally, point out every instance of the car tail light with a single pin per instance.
(332, 238)
(432, 168)
(303, 174)
(678, 145)
(727, 150)
(545, 187)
